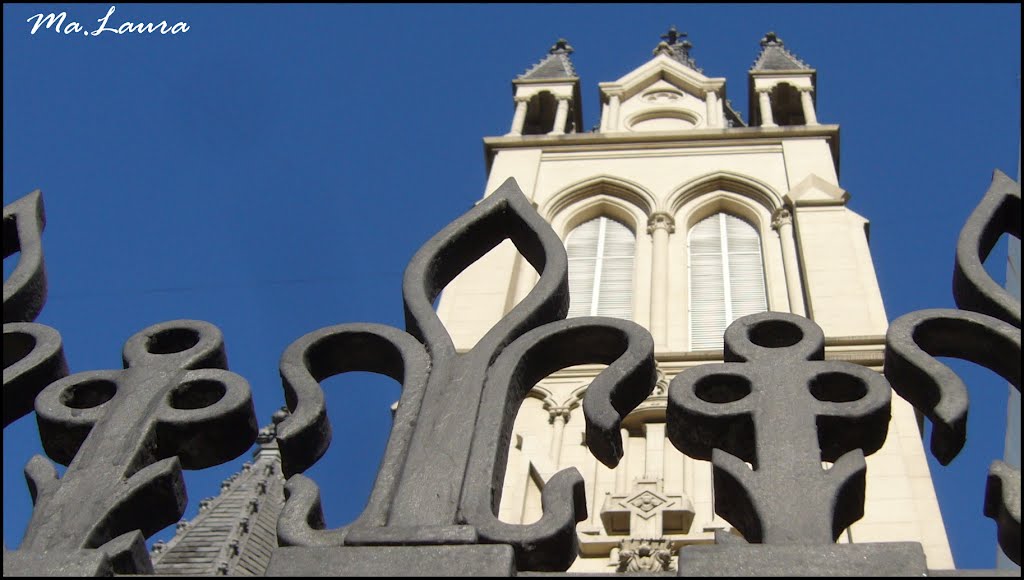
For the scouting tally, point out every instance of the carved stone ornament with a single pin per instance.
(559, 413)
(781, 217)
(645, 556)
(661, 220)
(661, 384)
(662, 96)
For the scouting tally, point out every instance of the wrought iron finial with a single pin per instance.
(441, 477)
(33, 353)
(986, 332)
(131, 432)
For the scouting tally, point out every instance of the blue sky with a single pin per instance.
(273, 169)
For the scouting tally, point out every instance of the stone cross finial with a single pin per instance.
(675, 45)
(673, 36)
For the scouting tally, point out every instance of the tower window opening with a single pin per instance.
(786, 106)
(540, 114)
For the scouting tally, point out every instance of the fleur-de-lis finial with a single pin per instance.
(441, 478)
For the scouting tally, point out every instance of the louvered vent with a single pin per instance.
(726, 277)
(601, 253)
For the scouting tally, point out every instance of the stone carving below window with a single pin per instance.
(645, 556)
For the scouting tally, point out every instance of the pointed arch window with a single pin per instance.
(601, 254)
(726, 277)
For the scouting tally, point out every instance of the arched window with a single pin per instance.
(601, 269)
(726, 277)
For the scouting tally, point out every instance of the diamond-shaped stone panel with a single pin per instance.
(645, 504)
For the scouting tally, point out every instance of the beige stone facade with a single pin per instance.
(668, 153)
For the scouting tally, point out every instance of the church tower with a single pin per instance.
(679, 216)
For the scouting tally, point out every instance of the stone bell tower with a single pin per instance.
(679, 216)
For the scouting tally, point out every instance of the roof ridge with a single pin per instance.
(775, 56)
(243, 497)
(558, 56)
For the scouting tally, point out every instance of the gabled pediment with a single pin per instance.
(663, 67)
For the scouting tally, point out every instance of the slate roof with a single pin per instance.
(774, 56)
(555, 66)
(675, 46)
(234, 533)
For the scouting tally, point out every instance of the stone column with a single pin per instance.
(655, 433)
(613, 113)
(622, 470)
(714, 119)
(764, 98)
(559, 417)
(560, 116)
(659, 226)
(810, 118)
(782, 222)
(520, 116)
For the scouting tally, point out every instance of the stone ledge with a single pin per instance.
(449, 560)
(877, 559)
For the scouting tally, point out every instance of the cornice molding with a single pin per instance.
(830, 132)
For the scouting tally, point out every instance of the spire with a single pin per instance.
(674, 45)
(555, 66)
(774, 56)
(235, 532)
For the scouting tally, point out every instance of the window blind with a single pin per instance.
(601, 253)
(726, 277)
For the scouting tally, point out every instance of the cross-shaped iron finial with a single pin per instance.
(673, 35)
